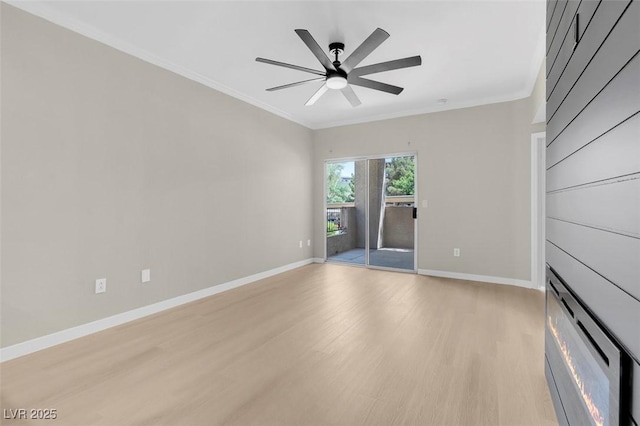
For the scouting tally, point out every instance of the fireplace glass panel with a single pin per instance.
(590, 381)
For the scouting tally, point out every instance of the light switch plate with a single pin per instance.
(145, 277)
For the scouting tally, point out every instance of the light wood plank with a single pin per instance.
(320, 345)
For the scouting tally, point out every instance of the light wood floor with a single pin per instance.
(321, 345)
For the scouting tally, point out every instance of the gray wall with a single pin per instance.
(111, 165)
(474, 171)
(593, 161)
(344, 242)
(374, 184)
(376, 199)
(398, 230)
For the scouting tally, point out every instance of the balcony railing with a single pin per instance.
(336, 220)
(398, 200)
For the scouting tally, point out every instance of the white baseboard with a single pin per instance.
(40, 343)
(473, 277)
(318, 260)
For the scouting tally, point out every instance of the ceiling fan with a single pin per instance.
(341, 75)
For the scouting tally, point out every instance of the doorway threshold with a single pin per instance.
(383, 258)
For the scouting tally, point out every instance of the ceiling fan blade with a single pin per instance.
(295, 67)
(388, 66)
(351, 96)
(315, 48)
(321, 91)
(376, 85)
(298, 83)
(369, 45)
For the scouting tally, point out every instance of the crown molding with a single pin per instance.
(37, 9)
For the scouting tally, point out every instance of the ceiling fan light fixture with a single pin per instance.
(336, 82)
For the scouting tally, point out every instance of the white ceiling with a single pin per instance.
(473, 52)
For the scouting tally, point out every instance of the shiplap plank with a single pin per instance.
(593, 164)
(614, 256)
(635, 401)
(565, 32)
(618, 101)
(569, 63)
(616, 153)
(552, 31)
(610, 206)
(551, 7)
(617, 49)
(618, 311)
(553, 388)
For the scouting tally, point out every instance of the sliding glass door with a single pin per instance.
(346, 211)
(370, 212)
(391, 212)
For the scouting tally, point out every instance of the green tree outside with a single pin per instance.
(337, 190)
(400, 173)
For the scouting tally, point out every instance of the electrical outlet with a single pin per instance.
(300, 244)
(456, 252)
(145, 276)
(308, 243)
(101, 285)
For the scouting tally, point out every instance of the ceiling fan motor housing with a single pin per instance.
(337, 49)
(336, 79)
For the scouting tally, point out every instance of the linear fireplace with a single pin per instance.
(584, 365)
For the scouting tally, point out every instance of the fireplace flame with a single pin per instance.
(593, 409)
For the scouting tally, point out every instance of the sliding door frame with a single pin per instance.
(538, 206)
(416, 222)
